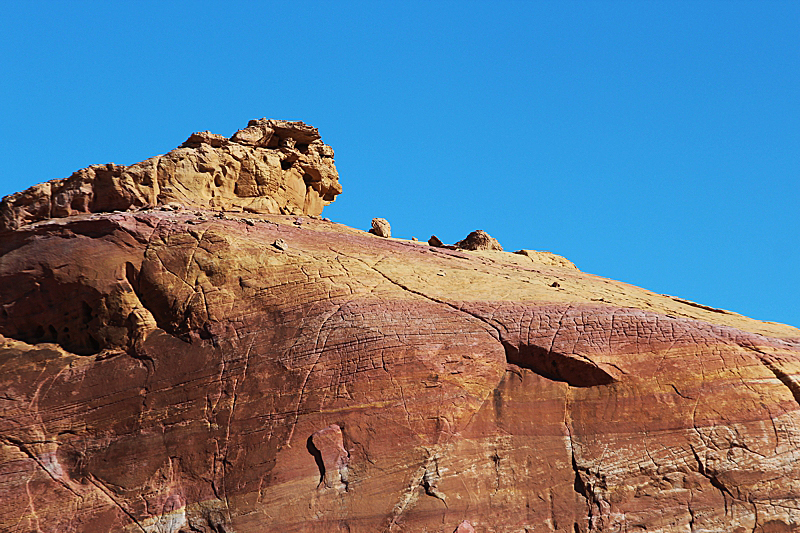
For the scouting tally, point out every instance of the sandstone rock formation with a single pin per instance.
(435, 241)
(174, 371)
(272, 166)
(479, 240)
(381, 227)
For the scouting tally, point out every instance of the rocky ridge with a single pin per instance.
(191, 370)
(271, 167)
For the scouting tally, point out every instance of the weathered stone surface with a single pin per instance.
(479, 240)
(167, 371)
(381, 228)
(272, 166)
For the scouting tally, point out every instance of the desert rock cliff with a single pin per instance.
(191, 370)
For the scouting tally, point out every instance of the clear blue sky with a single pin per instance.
(657, 143)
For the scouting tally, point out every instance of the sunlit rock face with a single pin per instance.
(271, 167)
(192, 370)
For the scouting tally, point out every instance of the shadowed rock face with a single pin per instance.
(170, 371)
(272, 166)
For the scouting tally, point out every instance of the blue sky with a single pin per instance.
(657, 143)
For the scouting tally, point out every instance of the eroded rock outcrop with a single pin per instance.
(479, 240)
(176, 371)
(270, 167)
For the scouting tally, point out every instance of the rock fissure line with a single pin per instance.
(423, 480)
(588, 373)
(784, 378)
(423, 295)
(308, 375)
(101, 487)
(578, 485)
(21, 446)
(768, 361)
(713, 479)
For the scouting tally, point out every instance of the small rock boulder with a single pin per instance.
(435, 241)
(479, 240)
(381, 228)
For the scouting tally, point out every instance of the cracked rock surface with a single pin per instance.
(175, 371)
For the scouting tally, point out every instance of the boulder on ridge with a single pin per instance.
(381, 227)
(479, 240)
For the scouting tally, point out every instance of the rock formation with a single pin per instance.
(435, 241)
(479, 240)
(271, 167)
(174, 371)
(381, 228)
